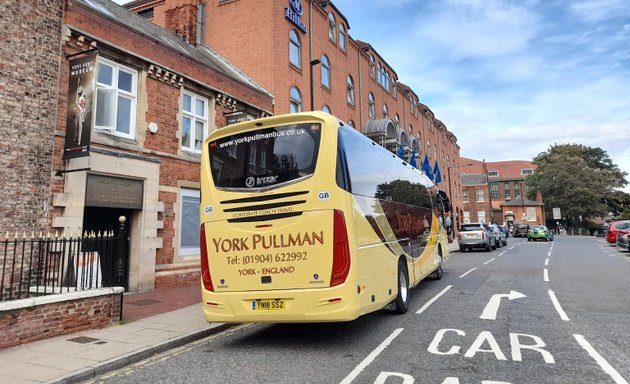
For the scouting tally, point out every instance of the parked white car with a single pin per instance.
(476, 235)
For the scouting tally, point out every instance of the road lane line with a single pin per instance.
(467, 272)
(370, 358)
(488, 261)
(556, 304)
(502, 253)
(549, 253)
(428, 303)
(547, 261)
(546, 275)
(600, 360)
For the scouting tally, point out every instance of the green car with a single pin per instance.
(539, 232)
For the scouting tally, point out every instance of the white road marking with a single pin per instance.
(556, 304)
(424, 307)
(370, 358)
(488, 261)
(491, 309)
(549, 253)
(600, 360)
(547, 261)
(546, 275)
(467, 272)
(502, 253)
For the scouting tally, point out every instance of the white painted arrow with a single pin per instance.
(490, 312)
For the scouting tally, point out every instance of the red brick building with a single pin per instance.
(153, 99)
(302, 52)
(497, 192)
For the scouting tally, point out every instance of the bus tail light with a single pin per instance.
(341, 250)
(205, 267)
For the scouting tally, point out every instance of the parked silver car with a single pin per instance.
(499, 235)
(623, 240)
(476, 235)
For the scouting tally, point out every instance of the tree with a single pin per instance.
(577, 179)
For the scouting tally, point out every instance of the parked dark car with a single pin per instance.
(505, 230)
(520, 230)
(614, 228)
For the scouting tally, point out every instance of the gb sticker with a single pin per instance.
(209, 209)
(323, 195)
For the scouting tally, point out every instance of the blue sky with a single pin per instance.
(510, 78)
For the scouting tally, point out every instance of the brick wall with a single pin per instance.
(24, 324)
(29, 58)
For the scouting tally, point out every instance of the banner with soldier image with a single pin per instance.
(81, 82)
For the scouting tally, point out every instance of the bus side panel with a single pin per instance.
(429, 258)
(377, 255)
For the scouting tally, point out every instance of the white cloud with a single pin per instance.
(472, 29)
(600, 10)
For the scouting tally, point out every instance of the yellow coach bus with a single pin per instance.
(304, 219)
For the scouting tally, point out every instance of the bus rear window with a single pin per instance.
(265, 157)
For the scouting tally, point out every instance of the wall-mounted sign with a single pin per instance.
(238, 117)
(294, 14)
(113, 192)
(80, 106)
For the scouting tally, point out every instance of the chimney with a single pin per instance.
(182, 20)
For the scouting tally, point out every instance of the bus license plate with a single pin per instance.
(268, 305)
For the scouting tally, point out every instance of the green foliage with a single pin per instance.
(404, 192)
(579, 180)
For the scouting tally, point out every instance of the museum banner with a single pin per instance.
(81, 101)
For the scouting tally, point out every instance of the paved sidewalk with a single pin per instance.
(83, 355)
(153, 322)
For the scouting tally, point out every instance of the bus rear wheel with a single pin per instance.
(437, 274)
(402, 300)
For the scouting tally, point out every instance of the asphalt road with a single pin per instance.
(556, 312)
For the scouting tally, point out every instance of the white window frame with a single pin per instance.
(113, 88)
(326, 72)
(466, 217)
(194, 118)
(371, 106)
(465, 196)
(187, 250)
(531, 213)
(372, 67)
(480, 196)
(350, 90)
(527, 171)
(295, 45)
(342, 37)
(295, 103)
(332, 27)
(481, 216)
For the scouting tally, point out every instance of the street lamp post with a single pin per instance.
(313, 63)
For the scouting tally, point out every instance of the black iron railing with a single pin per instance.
(43, 265)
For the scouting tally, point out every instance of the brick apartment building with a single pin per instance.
(133, 149)
(103, 115)
(497, 192)
(302, 52)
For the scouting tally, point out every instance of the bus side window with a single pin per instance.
(342, 178)
(443, 202)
